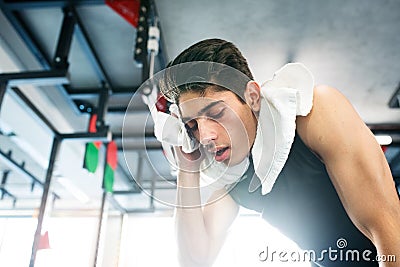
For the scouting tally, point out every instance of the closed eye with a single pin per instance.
(216, 115)
(191, 126)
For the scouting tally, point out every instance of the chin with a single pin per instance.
(233, 162)
(237, 155)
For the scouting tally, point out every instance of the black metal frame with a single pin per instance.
(55, 73)
(5, 191)
(44, 202)
(25, 4)
(47, 77)
(35, 110)
(60, 60)
(84, 40)
(3, 89)
(394, 101)
(14, 166)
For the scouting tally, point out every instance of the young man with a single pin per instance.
(334, 182)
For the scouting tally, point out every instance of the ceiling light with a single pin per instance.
(384, 140)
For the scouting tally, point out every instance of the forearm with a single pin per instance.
(192, 236)
(388, 251)
(381, 224)
(387, 241)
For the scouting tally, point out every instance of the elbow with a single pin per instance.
(383, 224)
(385, 235)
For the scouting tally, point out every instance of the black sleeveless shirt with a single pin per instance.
(304, 206)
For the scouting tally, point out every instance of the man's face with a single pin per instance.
(220, 122)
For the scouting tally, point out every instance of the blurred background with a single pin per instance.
(83, 180)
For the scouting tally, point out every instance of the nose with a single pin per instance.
(207, 130)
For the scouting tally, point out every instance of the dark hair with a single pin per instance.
(209, 50)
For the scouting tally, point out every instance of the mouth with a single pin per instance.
(222, 154)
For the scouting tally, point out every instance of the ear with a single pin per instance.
(252, 95)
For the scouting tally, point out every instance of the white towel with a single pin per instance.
(287, 95)
(172, 131)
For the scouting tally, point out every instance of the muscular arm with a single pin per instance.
(356, 166)
(201, 231)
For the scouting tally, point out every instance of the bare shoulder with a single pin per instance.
(328, 105)
(333, 122)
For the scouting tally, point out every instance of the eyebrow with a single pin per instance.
(203, 110)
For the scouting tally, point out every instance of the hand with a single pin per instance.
(190, 162)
